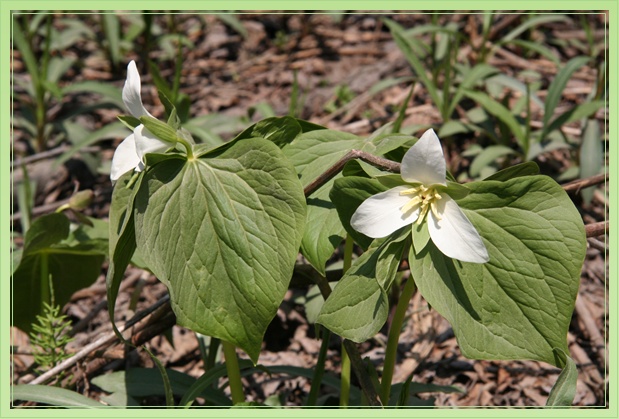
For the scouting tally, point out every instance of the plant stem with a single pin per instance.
(320, 368)
(345, 387)
(234, 374)
(394, 336)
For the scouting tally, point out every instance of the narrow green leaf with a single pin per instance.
(555, 90)
(517, 85)
(402, 41)
(111, 27)
(584, 110)
(54, 396)
(537, 47)
(532, 22)
(497, 109)
(26, 52)
(591, 155)
(487, 157)
(564, 390)
(473, 76)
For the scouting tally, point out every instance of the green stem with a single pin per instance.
(187, 146)
(394, 336)
(345, 386)
(45, 287)
(320, 368)
(234, 373)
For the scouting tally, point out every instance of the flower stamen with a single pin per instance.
(426, 199)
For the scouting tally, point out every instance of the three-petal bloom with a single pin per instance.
(423, 198)
(130, 153)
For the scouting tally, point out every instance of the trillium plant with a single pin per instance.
(222, 227)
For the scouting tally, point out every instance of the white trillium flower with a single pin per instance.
(423, 168)
(129, 154)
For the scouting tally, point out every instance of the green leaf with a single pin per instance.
(591, 155)
(514, 84)
(279, 130)
(555, 90)
(111, 28)
(487, 157)
(54, 396)
(537, 47)
(324, 230)
(139, 383)
(403, 42)
(72, 267)
(122, 236)
(523, 169)
(358, 306)
(474, 75)
(495, 108)
(519, 304)
(532, 22)
(160, 129)
(202, 384)
(564, 390)
(222, 232)
(584, 110)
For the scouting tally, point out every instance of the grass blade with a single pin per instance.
(555, 90)
(399, 35)
(497, 109)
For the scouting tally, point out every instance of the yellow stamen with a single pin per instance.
(425, 198)
(410, 204)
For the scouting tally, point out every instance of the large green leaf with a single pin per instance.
(519, 304)
(222, 232)
(312, 153)
(72, 265)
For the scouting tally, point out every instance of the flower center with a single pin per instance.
(424, 198)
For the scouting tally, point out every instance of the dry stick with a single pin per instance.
(379, 162)
(579, 184)
(49, 153)
(102, 341)
(596, 229)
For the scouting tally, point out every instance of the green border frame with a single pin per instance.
(323, 5)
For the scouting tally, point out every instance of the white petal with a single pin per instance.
(380, 215)
(131, 92)
(454, 235)
(424, 162)
(146, 142)
(125, 158)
